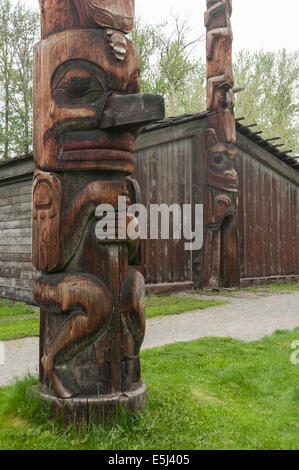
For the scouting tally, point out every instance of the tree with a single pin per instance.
(147, 39)
(6, 71)
(25, 26)
(19, 30)
(270, 98)
(168, 66)
(270, 80)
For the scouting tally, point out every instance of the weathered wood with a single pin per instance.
(132, 110)
(21, 168)
(248, 153)
(87, 115)
(59, 15)
(113, 14)
(221, 245)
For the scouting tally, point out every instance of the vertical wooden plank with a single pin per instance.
(242, 184)
(182, 198)
(188, 198)
(267, 223)
(288, 226)
(197, 164)
(280, 226)
(275, 224)
(294, 244)
(166, 246)
(297, 230)
(245, 222)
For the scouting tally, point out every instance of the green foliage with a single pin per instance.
(17, 321)
(270, 79)
(172, 305)
(168, 66)
(147, 40)
(270, 98)
(19, 30)
(214, 393)
(276, 287)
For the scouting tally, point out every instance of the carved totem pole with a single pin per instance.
(87, 115)
(220, 256)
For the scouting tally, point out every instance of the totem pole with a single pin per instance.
(87, 115)
(220, 255)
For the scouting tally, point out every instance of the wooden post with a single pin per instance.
(87, 115)
(221, 252)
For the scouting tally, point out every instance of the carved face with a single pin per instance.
(221, 160)
(75, 72)
(221, 173)
(116, 14)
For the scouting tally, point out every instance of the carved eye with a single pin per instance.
(77, 86)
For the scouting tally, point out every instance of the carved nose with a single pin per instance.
(136, 110)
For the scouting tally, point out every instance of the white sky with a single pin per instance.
(257, 24)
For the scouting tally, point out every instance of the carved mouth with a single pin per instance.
(96, 155)
(96, 145)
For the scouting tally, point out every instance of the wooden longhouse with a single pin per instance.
(170, 169)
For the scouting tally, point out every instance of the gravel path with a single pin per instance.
(248, 317)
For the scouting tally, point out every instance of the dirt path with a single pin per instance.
(249, 317)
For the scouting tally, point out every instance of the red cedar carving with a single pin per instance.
(87, 115)
(220, 256)
(60, 15)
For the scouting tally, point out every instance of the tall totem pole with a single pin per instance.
(87, 115)
(221, 255)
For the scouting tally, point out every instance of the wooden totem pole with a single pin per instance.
(87, 115)
(221, 253)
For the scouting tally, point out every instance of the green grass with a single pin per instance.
(270, 289)
(173, 305)
(214, 393)
(276, 287)
(18, 320)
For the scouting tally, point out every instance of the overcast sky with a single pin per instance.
(257, 24)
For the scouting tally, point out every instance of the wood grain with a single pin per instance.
(221, 246)
(87, 115)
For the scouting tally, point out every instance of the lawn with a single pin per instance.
(174, 305)
(18, 320)
(274, 288)
(214, 393)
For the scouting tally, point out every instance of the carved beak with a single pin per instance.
(134, 111)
